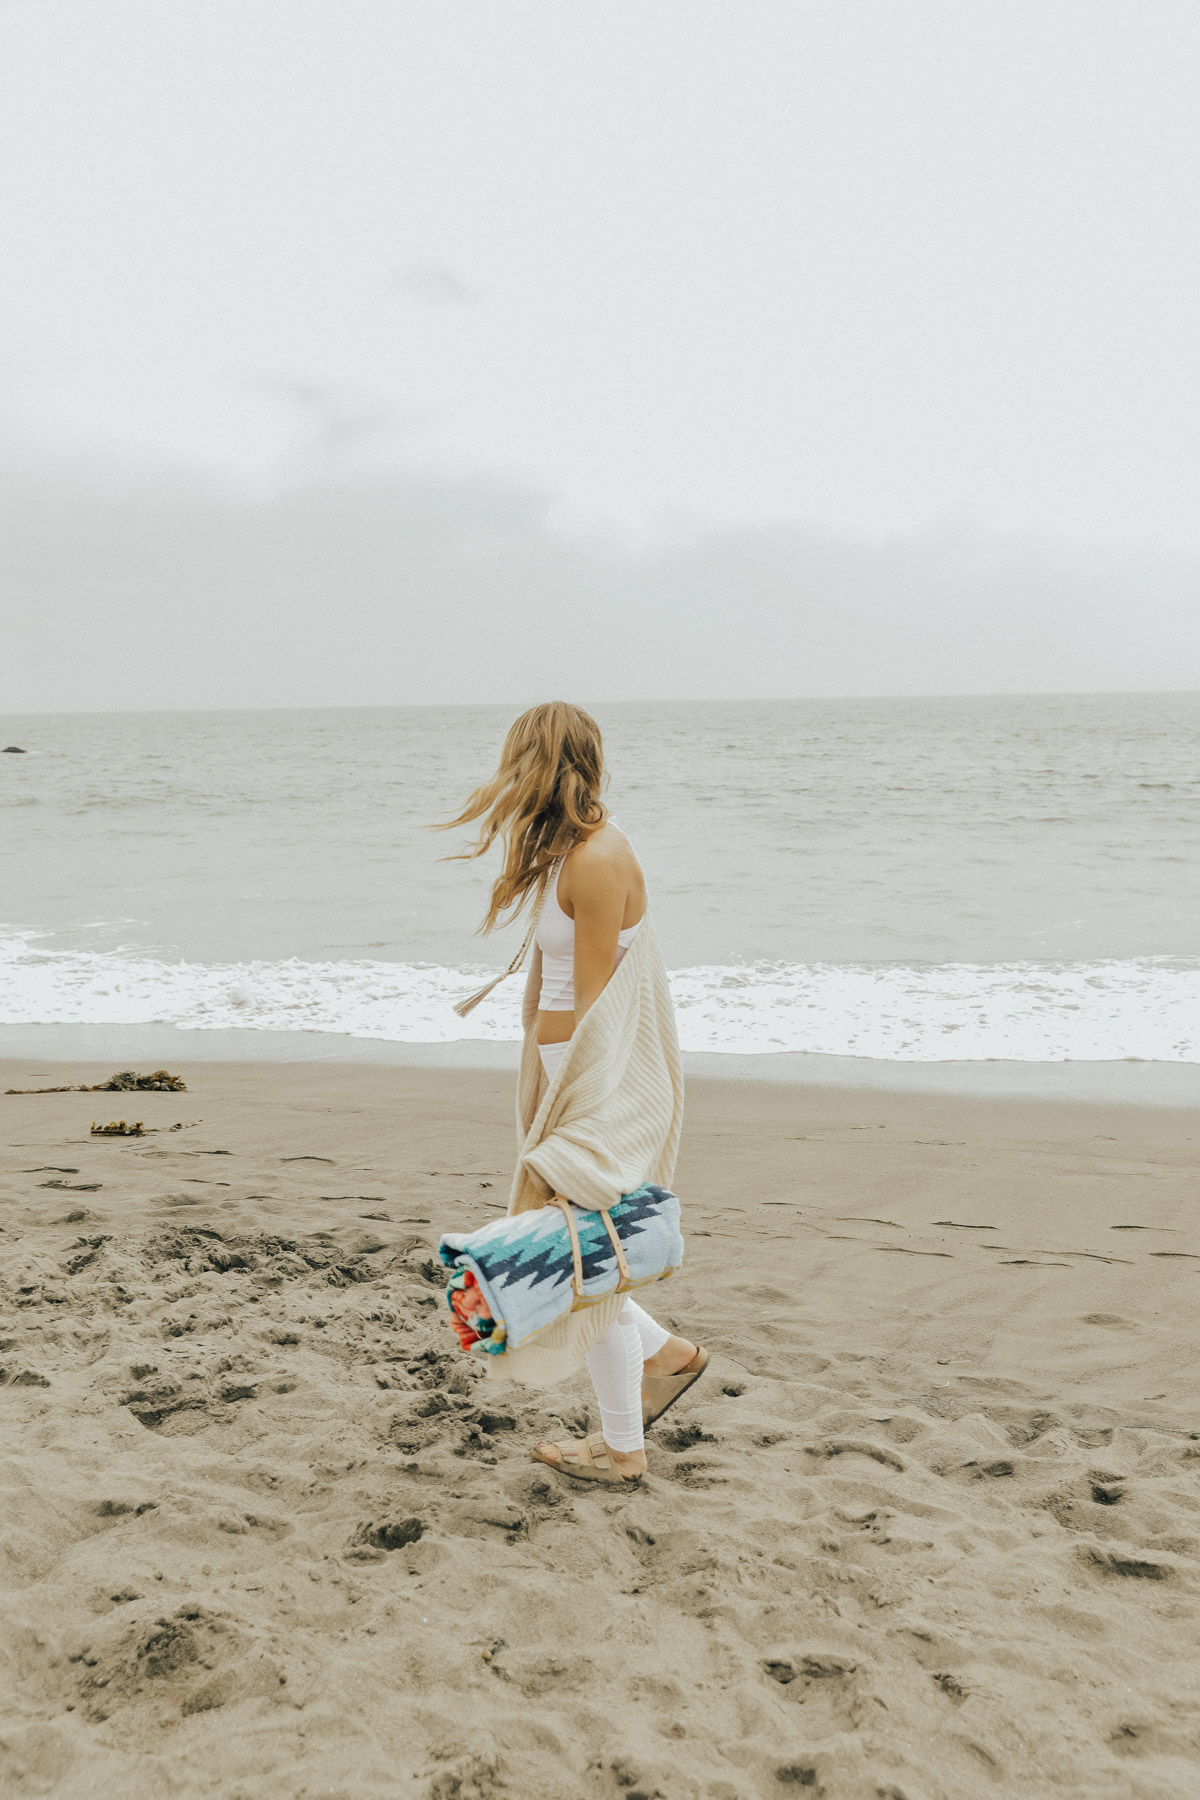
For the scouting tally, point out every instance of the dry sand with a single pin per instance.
(928, 1529)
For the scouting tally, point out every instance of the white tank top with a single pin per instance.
(556, 940)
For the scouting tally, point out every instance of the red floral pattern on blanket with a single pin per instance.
(470, 1315)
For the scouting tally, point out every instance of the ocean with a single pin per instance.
(914, 880)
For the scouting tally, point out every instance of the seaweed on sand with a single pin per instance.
(124, 1082)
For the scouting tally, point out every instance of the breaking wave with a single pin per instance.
(1144, 1008)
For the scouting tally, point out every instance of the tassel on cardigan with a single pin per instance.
(463, 1007)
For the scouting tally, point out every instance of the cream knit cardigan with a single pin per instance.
(609, 1121)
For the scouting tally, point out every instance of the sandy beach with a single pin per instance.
(929, 1528)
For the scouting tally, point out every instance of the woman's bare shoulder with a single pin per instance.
(606, 845)
(605, 855)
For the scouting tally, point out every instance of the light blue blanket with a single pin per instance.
(523, 1264)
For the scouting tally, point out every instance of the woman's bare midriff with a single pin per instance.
(555, 1027)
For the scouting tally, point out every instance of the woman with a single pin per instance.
(600, 1097)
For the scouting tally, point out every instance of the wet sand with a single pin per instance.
(928, 1529)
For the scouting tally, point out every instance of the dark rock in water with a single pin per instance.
(13, 750)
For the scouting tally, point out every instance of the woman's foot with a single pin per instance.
(675, 1355)
(590, 1459)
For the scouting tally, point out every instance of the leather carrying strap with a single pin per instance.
(624, 1278)
(576, 1252)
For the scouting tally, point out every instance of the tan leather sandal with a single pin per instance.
(587, 1459)
(661, 1391)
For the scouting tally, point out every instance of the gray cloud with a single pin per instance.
(337, 420)
(436, 284)
(136, 593)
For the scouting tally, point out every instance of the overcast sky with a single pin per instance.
(840, 347)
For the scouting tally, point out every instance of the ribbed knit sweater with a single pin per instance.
(609, 1121)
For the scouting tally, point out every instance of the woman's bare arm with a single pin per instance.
(599, 890)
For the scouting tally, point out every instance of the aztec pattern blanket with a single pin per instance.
(512, 1278)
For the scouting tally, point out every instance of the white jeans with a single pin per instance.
(615, 1366)
(552, 1056)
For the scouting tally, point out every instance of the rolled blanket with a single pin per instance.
(512, 1279)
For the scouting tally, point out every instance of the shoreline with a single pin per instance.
(1128, 1082)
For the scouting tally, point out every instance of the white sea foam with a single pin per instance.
(1146, 1008)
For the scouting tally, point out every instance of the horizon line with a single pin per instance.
(658, 700)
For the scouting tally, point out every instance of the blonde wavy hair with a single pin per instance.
(542, 800)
